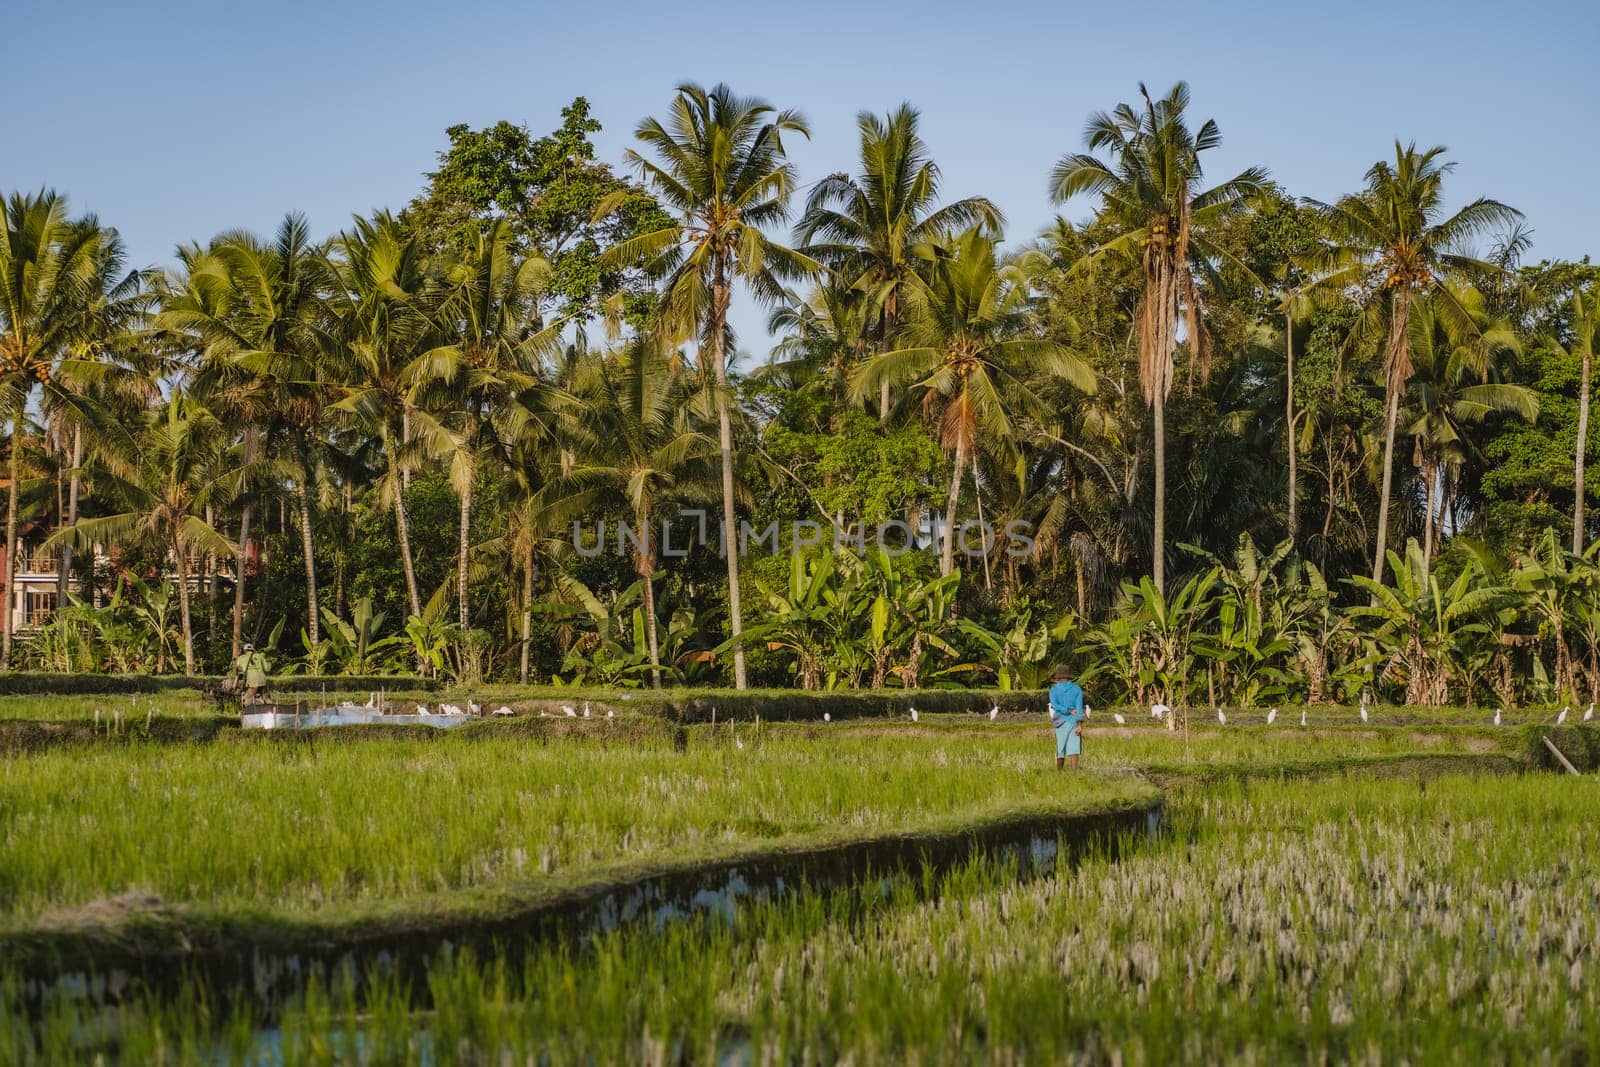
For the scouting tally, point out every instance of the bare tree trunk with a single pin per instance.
(947, 558)
(401, 527)
(183, 603)
(719, 317)
(19, 418)
(1294, 495)
(644, 563)
(1390, 418)
(1580, 458)
(977, 495)
(1432, 475)
(527, 609)
(241, 560)
(303, 501)
(463, 604)
(64, 585)
(1397, 368)
(1158, 539)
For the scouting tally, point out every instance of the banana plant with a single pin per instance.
(1423, 629)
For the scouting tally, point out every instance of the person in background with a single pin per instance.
(251, 671)
(1066, 717)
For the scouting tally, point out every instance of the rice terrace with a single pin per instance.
(844, 534)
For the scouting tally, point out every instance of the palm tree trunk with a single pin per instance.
(527, 609)
(183, 604)
(463, 605)
(1158, 522)
(977, 495)
(1578, 461)
(240, 561)
(1294, 501)
(718, 324)
(1429, 472)
(1391, 417)
(947, 558)
(18, 420)
(644, 563)
(401, 527)
(303, 501)
(64, 585)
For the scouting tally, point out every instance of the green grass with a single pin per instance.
(302, 825)
(1281, 922)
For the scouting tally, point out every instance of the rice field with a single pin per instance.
(1294, 921)
(293, 825)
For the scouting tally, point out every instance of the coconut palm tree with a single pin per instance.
(960, 353)
(865, 228)
(384, 313)
(56, 277)
(260, 314)
(720, 167)
(1452, 385)
(1392, 242)
(165, 483)
(1584, 308)
(1150, 192)
(495, 342)
(635, 440)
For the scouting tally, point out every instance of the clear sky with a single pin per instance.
(173, 121)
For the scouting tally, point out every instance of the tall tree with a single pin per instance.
(1391, 243)
(865, 228)
(1150, 191)
(165, 482)
(1454, 384)
(1584, 313)
(722, 171)
(384, 308)
(496, 339)
(265, 319)
(636, 442)
(962, 353)
(53, 277)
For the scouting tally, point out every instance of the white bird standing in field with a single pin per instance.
(1497, 716)
(913, 714)
(1363, 712)
(1563, 716)
(474, 707)
(994, 713)
(826, 717)
(566, 709)
(1302, 716)
(610, 714)
(372, 701)
(1589, 712)
(1222, 717)
(503, 710)
(1159, 710)
(449, 709)
(422, 709)
(1117, 716)
(1271, 715)
(585, 709)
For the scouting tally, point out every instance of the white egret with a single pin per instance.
(994, 713)
(566, 709)
(474, 707)
(826, 717)
(503, 710)
(1271, 715)
(913, 714)
(1302, 716)
(1222, 717)
(1563, 716)
(422, 709)
(1497, 716)
(610, 714)
(585, 709)
(449, 709)
(1117, 715)
(372, 701)
(1159, 710)
(1589, 712)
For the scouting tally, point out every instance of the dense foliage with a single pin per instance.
(1252, 448)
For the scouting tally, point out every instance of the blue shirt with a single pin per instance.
(1066, 701)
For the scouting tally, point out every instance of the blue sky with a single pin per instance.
(174, 121)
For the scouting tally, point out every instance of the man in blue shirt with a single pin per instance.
(1066, 716)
